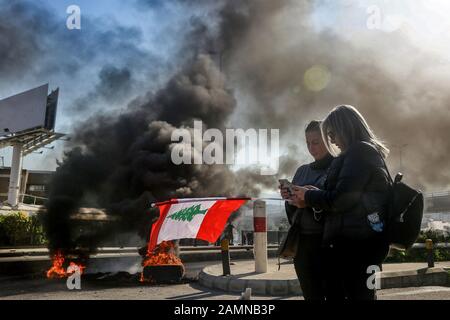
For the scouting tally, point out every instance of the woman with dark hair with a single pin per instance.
(308, 261)
(354, 198)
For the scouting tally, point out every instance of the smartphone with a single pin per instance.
(285, 184)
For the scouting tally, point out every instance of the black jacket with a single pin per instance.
(357, 185)
(309, 174)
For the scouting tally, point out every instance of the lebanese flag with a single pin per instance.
(203, 218)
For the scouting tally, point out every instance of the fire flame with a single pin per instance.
(57, 270)
(163, 254)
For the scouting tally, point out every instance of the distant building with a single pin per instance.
(437, 202)
(34, 185)
(437, 209)
(439, 227)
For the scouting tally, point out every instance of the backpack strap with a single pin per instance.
(386, 168)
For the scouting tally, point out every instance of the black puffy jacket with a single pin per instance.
(357, 185)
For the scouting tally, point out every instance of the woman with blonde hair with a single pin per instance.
(354, 200)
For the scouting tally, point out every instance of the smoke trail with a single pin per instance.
(288, 72)
(122, 164)
(283, 71)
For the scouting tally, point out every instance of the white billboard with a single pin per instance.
(23, 111)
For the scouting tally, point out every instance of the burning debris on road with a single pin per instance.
(162, 265)
(61, 269)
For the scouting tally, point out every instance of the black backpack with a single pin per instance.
(404, 213)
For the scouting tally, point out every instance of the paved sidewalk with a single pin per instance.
(413, 266)
(284, 282)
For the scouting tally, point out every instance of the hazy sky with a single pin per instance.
(136, 39)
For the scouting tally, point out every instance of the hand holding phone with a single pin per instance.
(286, 185)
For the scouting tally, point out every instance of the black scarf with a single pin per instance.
(323, 163)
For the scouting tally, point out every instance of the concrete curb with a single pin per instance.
(259, 286)
(289, 287)
(415, 278)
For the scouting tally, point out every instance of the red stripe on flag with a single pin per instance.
(156, 227)
(216, 218)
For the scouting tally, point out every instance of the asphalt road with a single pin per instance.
(125, 286)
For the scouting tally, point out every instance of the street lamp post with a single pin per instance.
(15, 175)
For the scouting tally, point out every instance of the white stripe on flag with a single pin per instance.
(174, 228)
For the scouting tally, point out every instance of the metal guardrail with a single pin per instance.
(44, 251)
(444, 245)
(36, 253)
(437, 194)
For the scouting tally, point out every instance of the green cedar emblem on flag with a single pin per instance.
(187, 214)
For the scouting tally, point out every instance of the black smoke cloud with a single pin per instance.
(34, 39)
(36, 47)
(401, 89)
(124, 163)
(113, 85)
(18, 47)
(266, 48)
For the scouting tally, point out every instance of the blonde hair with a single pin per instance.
(347, 123)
